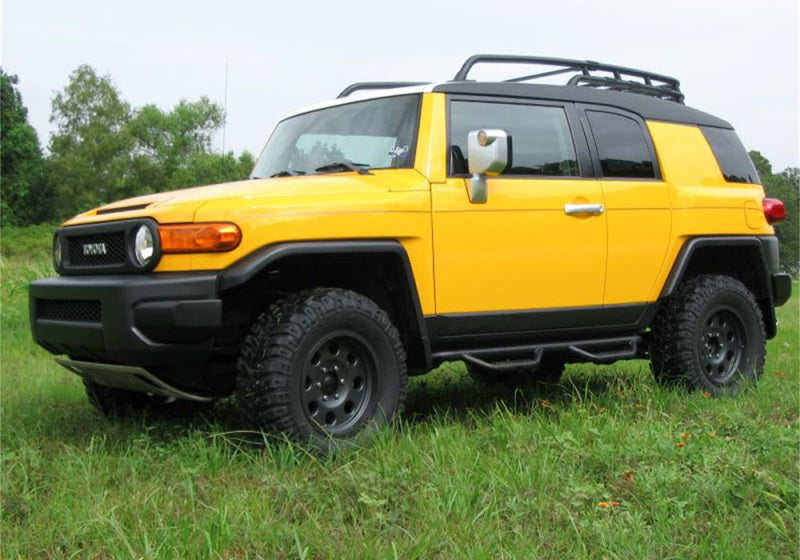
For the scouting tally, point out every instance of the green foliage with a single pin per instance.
(21, 162)
(208, 168)
(105, 150)
(91, 148)
(470, 472)
(173, 150)
(786, 187)
(25, 244)
(169, 145)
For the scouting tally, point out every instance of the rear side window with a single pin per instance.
(733, 159)
(621, 145)
(541, 141)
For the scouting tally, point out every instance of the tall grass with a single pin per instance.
(469, 472)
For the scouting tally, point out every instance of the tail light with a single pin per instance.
(774, 210)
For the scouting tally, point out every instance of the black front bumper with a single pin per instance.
(153, 321)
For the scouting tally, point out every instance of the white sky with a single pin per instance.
(736, 59)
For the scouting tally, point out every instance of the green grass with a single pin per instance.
(469, 473)
(18, 244)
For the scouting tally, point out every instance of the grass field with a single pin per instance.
(469, 473)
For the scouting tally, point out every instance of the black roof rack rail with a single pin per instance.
(647, 83)
(376, 85)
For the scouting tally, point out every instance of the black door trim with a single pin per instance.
(478, 329)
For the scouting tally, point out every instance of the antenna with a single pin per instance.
(225, 110)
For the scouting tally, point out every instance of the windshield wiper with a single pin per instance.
(287, 173)
(360, 168)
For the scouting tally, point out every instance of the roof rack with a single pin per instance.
(376, 85)
(646, 83)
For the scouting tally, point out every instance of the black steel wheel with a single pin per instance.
(709, 336)
(339, 379)
(321, 367)
(723, 341)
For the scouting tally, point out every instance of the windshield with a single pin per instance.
(374, 134)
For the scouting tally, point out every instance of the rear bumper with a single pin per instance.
(151, 321)
(781, 288)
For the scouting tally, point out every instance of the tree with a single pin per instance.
(207, 168)
(170, 145)
(105, 150)
(21, 162)
(91, 150)
(786, 187)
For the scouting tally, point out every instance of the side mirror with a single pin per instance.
(488, 153)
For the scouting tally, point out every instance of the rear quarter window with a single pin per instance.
(622, 146)
(733, 159)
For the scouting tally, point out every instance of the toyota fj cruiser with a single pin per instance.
(515, 226)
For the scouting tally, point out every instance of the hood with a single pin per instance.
(182, 206)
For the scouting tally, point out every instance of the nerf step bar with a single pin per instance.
(129, 378)
(501, 358)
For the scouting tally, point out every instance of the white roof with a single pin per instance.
(363, 94)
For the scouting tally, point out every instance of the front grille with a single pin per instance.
(104, 248)
(101, 249)
(78, 310)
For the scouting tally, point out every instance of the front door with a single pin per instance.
(539, 242)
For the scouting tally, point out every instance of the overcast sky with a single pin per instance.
(736, 59)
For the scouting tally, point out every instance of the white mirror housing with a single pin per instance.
(488, 153)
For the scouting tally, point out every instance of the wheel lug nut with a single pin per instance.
(324, 397)
(336, 396)
(341, 381)
(318, 384)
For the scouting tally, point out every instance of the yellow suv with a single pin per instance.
(515, 226)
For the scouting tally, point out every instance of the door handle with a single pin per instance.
(577, 209)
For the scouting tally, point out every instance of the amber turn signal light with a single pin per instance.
(199, 238)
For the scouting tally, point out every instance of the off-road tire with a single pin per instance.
(323, 367)
(549, 372)
(709, 336)
(120, 403)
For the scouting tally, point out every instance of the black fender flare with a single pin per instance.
(766, 265)
(251, 265)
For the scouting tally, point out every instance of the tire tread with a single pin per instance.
(267, 354)
(672, 344)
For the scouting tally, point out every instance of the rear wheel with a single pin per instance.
(709, 336)
(321, 366)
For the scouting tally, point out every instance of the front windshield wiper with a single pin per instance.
(287, 173)
(360, 168)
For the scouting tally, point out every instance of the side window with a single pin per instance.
(621, 145)
(733, 159)
(541, 141)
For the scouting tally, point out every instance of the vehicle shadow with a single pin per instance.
(449, 392)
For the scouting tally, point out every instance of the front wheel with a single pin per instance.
(709, 336)
(321, 366)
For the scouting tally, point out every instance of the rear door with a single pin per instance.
(637, 208)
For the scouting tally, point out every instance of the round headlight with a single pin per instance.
(57, 253)
(143, 246)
